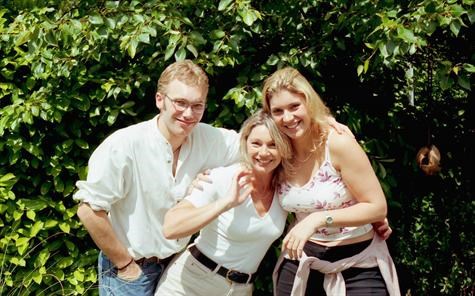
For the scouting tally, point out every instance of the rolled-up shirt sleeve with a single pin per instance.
(109, 176)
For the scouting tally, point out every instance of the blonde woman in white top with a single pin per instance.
(237, 214)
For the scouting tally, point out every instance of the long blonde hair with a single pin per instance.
(284, 147)
(293, 81)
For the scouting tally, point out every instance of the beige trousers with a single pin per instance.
(188, 277)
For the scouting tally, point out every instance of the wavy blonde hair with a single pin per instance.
(284, 147)
(185, 71)
(293, 81)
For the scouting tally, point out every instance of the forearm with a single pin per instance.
(100, 229)
(185, 219)
(356, 215)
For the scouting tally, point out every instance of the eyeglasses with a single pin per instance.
(181, 105)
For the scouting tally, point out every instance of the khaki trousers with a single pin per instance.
(188, 277)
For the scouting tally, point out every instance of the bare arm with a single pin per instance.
(356, 171)
(185, 219)
(100, 229)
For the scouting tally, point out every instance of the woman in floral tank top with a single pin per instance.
(335, 195)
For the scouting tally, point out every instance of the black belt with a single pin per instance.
(229, 274)
(154, 259)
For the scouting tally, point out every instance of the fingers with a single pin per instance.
(383, 229)
(204, 177)
(293, 246)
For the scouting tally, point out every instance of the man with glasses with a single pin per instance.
(141, 171)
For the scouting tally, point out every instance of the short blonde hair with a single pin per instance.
(293, 81)
(282, 142)
(185, 71)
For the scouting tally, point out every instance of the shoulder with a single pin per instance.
(225, 172)
(343, 148)
(206, 130)
(127, 137)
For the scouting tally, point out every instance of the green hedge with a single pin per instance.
(74, 71)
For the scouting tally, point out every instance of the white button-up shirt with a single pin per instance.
(130, 176)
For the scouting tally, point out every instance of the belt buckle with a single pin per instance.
(228, 273)
(231, 272)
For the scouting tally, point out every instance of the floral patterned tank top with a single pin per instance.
(324, 191)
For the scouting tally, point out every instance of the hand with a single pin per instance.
(240, 189)
(340, 128)
(197, 182)
(130, 273)
(383, 229)
(296, 238)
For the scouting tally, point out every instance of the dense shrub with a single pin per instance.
(399, 73)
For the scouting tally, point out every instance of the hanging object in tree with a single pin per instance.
(428, 159)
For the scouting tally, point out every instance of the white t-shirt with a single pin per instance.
(239, 238)
(130, 176)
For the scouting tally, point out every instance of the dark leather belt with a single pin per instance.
(229, 274)
(154, 259)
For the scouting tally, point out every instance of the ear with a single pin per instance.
(159, 100)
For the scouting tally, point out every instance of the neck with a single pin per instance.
(303, 146)
(263, 182)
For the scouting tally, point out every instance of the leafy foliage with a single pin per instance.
(399, 73)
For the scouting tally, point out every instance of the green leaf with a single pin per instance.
(112, 4)
(7, 180)
(50, 223)
(169, 51)
(21, 241)
(180, 55)
(464, 82)
(82, 144)
(191, 48)
(217, 34)
(455, 27)
(223, 4)
(79, 275)
(31, 215)
(132, 47)
(65, 227)
(366, 65)
(96, 19)
(248, 16)
(406, 34)
(65, 262)
(36, 228)
(467, 67)
(359, 70)
(272, 60)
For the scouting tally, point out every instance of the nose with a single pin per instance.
(188, 113)
(264, 150)
(287, 116)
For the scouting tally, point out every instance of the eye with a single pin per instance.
(181, 103)
(198, 107)
(295, 106)
(272, 145)
(276, 112)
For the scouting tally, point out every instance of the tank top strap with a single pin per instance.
(327, 147)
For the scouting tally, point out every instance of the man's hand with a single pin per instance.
(383, 229)
(197, 182)
(130, 273)
(340, 128)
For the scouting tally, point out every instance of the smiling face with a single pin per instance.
(262, 150)
(290, 113)
(173, 122)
